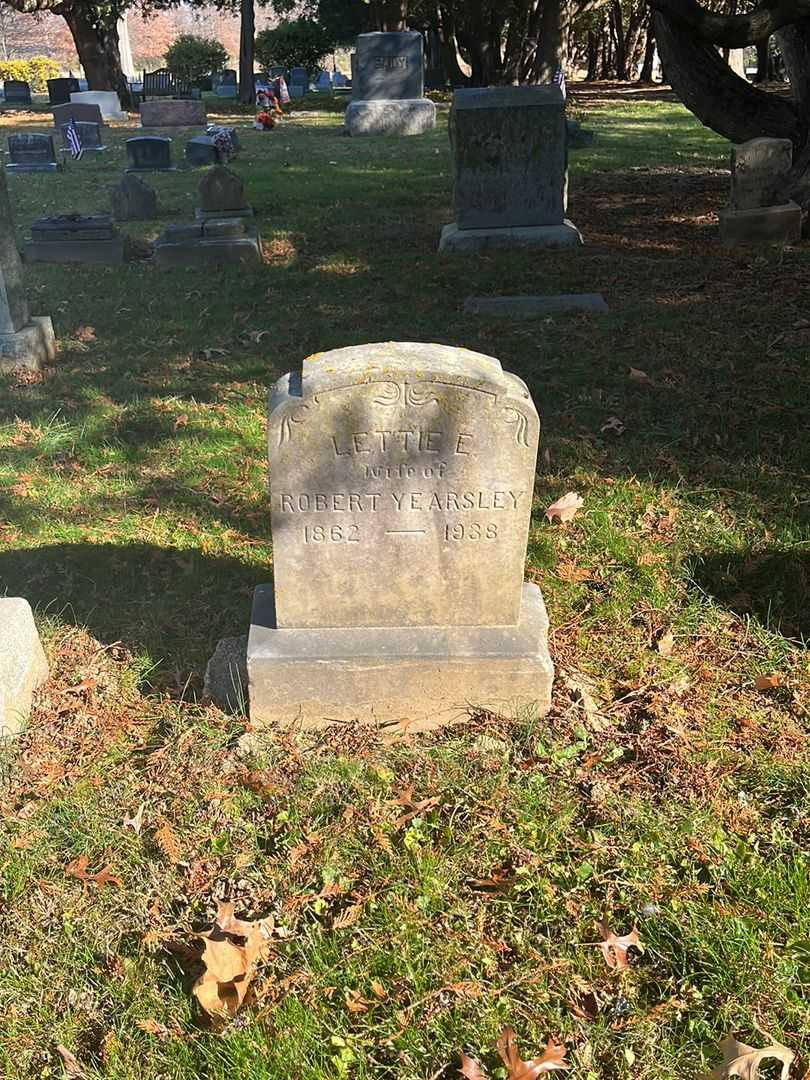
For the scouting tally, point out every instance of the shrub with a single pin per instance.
(193, 57)
(35, 71)
(300, 43)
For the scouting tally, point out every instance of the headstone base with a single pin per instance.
(29, 347)
(100, 252)
(529, 307)
(761, 226)
(222, 215)
(211, 244)
(549, 237)
(410, 117)
(401, 679)
(23, 666)
(22, 166)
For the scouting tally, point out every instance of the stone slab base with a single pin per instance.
(223, 215)
(105, 252)
(23, 666)
(761, 226)
(527, 307)
(217, 252)
(399, 679)
(172, 112)
(21, 167)
(411, 117)
(29, 347)
(548, 237)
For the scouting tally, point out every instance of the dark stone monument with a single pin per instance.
(133, 199)
(149, 153)
(226, 84)
(32, 152)
(80, 111)
(69, 238)
(202, 150)
(16, 92)
(59, 90)
(389, 86)
(222, 195)
(298, 82)
(207, 243)
(89, 135)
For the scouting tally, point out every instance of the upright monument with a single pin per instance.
(388, 86)
(401, 480)
(26, 341)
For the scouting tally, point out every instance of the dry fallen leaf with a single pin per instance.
(666, 643)
(72, 1067)
(78, 869)
(168, 843)
(355, 1002)
(135, 823)
(639, 376)
(769, 682)
(565, 508)
(471, 1068)
(230, 966)
(614, 949)
(550, 1061)
(154, 1027)
(85, 333)
(348, 917)
(613, 426)
(744, 1061)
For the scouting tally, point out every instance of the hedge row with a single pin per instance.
(35, 71)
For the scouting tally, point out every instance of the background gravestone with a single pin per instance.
(16, 92)
(222, 195)
(89, 136)
(31, 152)
(298, 82)
(78, 111)
(133, 199)
(402, 478)
(388, 86)
(107, 101)
(59, 90)
(758, 212)
(149, 153)
(510, 169)
(25, 341)
(202, 150)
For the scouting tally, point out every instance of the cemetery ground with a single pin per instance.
(429, 892)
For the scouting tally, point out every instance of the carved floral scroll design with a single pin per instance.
(297, 416)
(521, 424)
(404, 393)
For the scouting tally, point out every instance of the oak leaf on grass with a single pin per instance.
(565, 508)
(551, 1060)
(768, 682)
(232, 951)
(744, 1061)
(614, 948)
(78, 869)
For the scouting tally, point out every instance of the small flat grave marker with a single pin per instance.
(32, 152)
(149, 153)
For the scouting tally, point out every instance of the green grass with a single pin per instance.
(133, 515)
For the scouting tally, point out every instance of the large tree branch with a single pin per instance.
(31, 7)
(720, 99)
(734, 31)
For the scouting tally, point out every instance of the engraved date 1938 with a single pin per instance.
(471, 530)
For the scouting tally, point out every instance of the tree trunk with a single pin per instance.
(593, 56)
(395, 15)
(449, 47)
(618, 31)
(552, 55)
(763, 61)
(247, 30)
(97, 45)
(646, 75)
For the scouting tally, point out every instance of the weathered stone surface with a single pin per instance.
(172, 112)
(401, 488)
(400, 679)
(221, 189)
(528, 307)
(390, 117)
(133, 199)
(758, 171)
(761, 227)
(202, 150)
(107, 101)
(149, 153)
(59, 90)
(97, 252)
(540, 237)
(226, 680)
(89, 136)
(23, 666)
(209, 243)
(31, 151)
(510, 158)
(16, 92)
(389, 66)
(29, 347)
(79, 112)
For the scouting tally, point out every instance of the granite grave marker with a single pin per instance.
(59, 90)
(388, 88)
(31, 152)
(149, 153)
(16, 92)
(133, 199)
(222, 195)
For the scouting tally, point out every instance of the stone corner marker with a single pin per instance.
(26, 341)
(510, 170)
(23, 666)
(401, 480)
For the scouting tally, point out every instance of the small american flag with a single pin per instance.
(559, 80)
(73, 140)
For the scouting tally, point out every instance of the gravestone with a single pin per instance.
(75, 238)
(323, 83)
(226, 84)
(149, 153)
(530, 307)
(78, 111)
(402, 478)
(25, 341)
(298, 82)
(173, 112)
(388, 86)
(31, 152)
(89, 136)
(226, 139)
(107, 101)
(133, 199)
(278, 72)
(202, 150)
(209, 243)
(222, 195)
(758, 211)
(510, 170)
(16, 92)
(59, 90)
(23, 666)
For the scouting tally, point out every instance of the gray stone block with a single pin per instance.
(759, 170)
(23, 666)
(209, 252)
(173, 112)
(226, 682)
(29, 347)
(401, 679)
(528, 307)
(389, 66)
(412, 117)
(222, 215)
(102, 252)
(133, 199)
(762, 226)
(544, 237)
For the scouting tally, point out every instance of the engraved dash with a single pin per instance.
(405, 532)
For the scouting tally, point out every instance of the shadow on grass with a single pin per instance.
(773, 586)
(166, 604)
